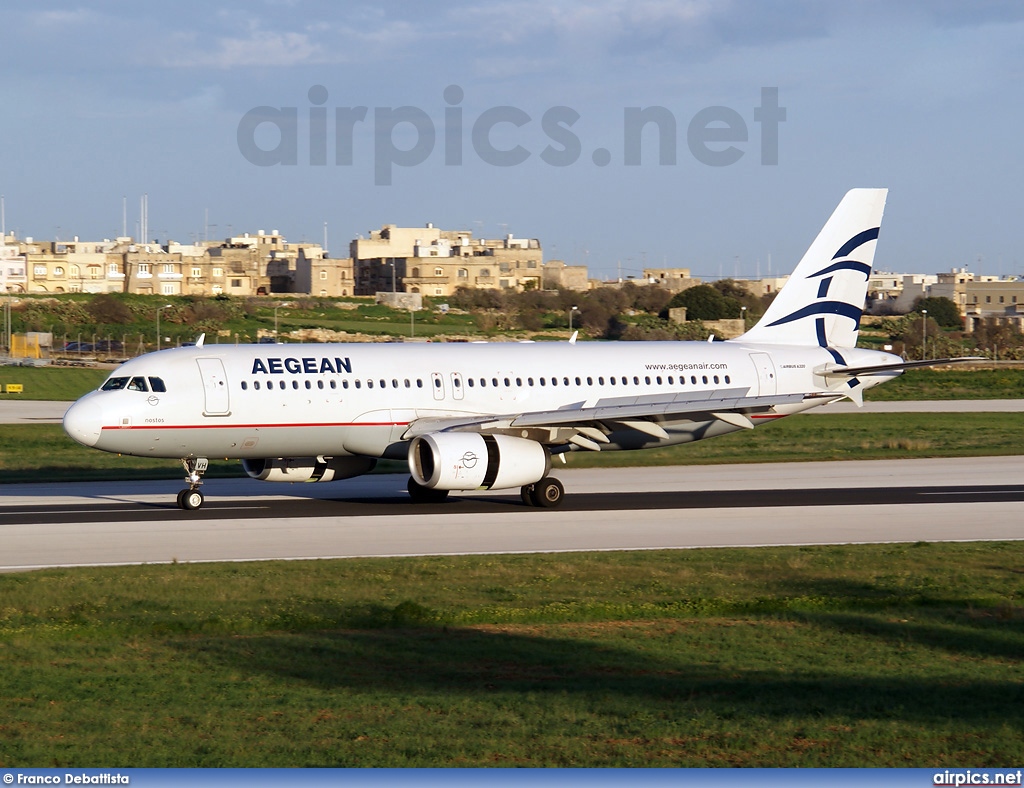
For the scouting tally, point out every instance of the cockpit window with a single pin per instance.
(157, 384)
(138, 384)
(113, 384)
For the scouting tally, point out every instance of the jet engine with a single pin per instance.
(308, 469)
(470, 461)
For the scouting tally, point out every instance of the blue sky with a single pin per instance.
(925, 97)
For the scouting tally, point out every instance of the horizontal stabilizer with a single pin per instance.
(851, 372)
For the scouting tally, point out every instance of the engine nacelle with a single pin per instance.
(308, 469)
(470, 461)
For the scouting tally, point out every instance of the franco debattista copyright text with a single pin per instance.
(68, 778)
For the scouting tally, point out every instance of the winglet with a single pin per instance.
(572, 339)
(201, 340)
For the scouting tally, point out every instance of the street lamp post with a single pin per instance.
(743, 316)
(573, 309)
(275, 322)
(924, 334)
(165, 306)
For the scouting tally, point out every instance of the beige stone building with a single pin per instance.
(556, 274)
(1002, 299)
(673, 279)
(435, 262)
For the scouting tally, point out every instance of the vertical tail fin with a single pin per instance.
(823, 300)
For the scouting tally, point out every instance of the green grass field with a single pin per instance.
(42, 452)
(69, 383)
(888, 655)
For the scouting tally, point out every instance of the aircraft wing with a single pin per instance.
(585, 423)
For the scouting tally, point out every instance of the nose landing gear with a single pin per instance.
(191, 498)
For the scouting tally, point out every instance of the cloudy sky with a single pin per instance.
(513, 116)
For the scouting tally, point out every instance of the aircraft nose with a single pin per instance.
(83, 421)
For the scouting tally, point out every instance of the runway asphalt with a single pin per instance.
(52, 525)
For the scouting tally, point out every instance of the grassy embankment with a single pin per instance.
(43, 452)
(885, 655)
(69, 383)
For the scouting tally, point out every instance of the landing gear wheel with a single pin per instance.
(190, 500)
(421, 494)
(547, 493)
(526, 493)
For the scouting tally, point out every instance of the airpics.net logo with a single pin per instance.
(407, 136)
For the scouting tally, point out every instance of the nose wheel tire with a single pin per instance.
(545, 494)
(190, 500)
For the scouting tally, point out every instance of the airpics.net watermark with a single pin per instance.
(713, 134)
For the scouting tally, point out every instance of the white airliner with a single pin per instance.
(492, 416)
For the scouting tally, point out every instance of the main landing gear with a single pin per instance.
(545, 494)
(190, 498)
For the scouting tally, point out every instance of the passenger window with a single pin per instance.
(138, 384)
(565, 381)
(157, 384)
(295, 384)
(705, 379)
(114, 384)
(693, 379)
(244, 385)
(470, 382)
(334, 384)
(579, 382)
(612, 380)
(671, 380)
(256, 385)
(716, 378)
(308, 385)
(280, 385)
(600, 380)
(359, 384)
(658, 379)
(727, 379)
(590, 381)
(529, 381)
(369, 384)
(543, 382)
(319, 384)
(419, 383)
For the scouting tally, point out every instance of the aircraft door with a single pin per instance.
(767, 384)
(437, 384)
(215, 387)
